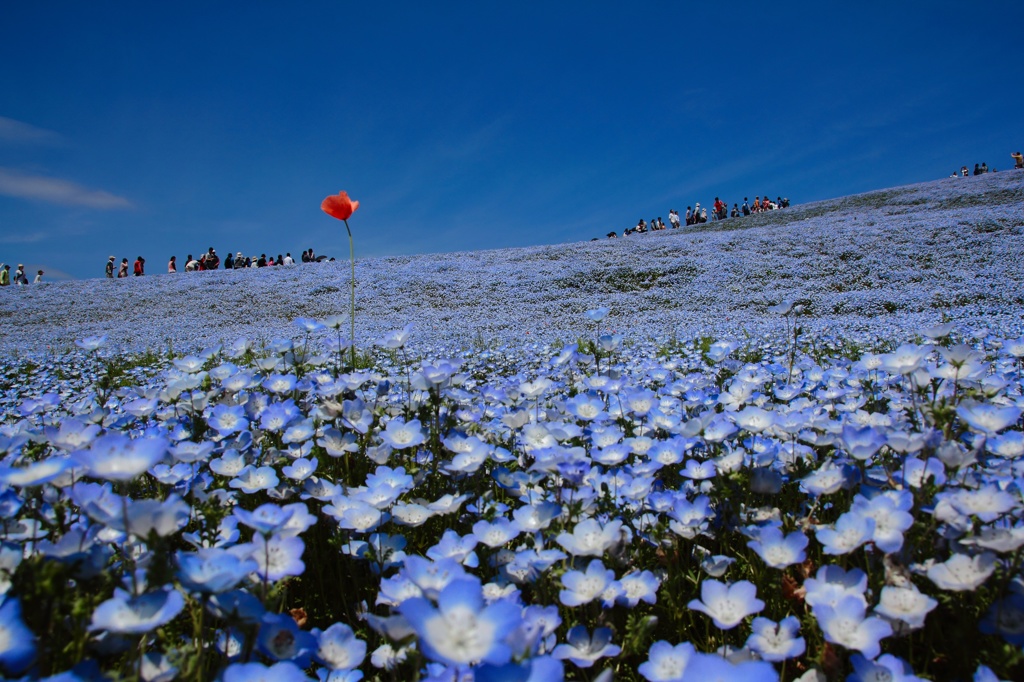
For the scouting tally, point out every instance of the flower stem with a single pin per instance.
(352, 316)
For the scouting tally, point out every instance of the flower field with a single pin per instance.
(680, 481)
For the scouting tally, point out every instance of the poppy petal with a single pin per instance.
(339, 206)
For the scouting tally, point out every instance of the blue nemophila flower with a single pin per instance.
(308, 325)
(325, 675)
(715, 565)
(336, 443)
(155, 667)
(241, 381)
(433, 376)
(862, 442)
(639, 401)
(396, 589)
(597, 314)
(281, 384)
(140, 408)
(461, 630)
(299, 432)
(1006, 618)
(212, 570)
(91, 343)
(590, 538)
(338, 647)
(188, 452)
(396, 339)
(401, 435)
(537, 669)
(227, 420)
(689, 519)
(831, 584)
(277, 416)
(355, 515)
(667, 663)
(72, 434)
(455, 547)
(224, 370)
(777, 550)
(639, 586)
(163, 517)
(698, 470)
(79, 548)
(128, 615)
(355, 415)
(727, 605)
(916, 473)
(987, 418)
(280, 639)
(276, 557)
(962, 572)
(885, 667)
(253, 479)
(827, 479)
(905, 360)
(236, 605)
(776, 641)
(851, 530)
(890, 511)
(754, 419)
(179, 474)
(496, 533)
(410, 514)
(905, 604)
(300, 469)
(267, 518)
(718, 428)
(268, 364)
(432, 576)
(987, 503)
(609, 343)
(229, 464)
(585, 649)
(116, 457)
(17, 642)
(583, 587)
(36, 473)
(536, 634)
(536, 517)
(189, 364)
(284, 671)
(379, 495)
(586, 406)
(845, 623)
(386, 551)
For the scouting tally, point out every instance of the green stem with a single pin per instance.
(352, 258)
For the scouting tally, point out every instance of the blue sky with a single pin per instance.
(156, 129)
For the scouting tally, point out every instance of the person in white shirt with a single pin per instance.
(38, 278)
(288, 260)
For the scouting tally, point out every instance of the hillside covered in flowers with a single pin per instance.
(784, 447)
(878, 260)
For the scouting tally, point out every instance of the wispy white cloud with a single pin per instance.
(23, 133)
(15, 183)
(17, 237)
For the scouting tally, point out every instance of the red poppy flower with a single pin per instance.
(339, 206)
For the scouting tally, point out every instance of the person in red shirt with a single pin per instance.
(140, 266)
(719, 209)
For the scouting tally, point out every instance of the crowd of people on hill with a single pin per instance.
(982, 168)
(19, 276)
(207, 261)
(696, 215)
(210, 261)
